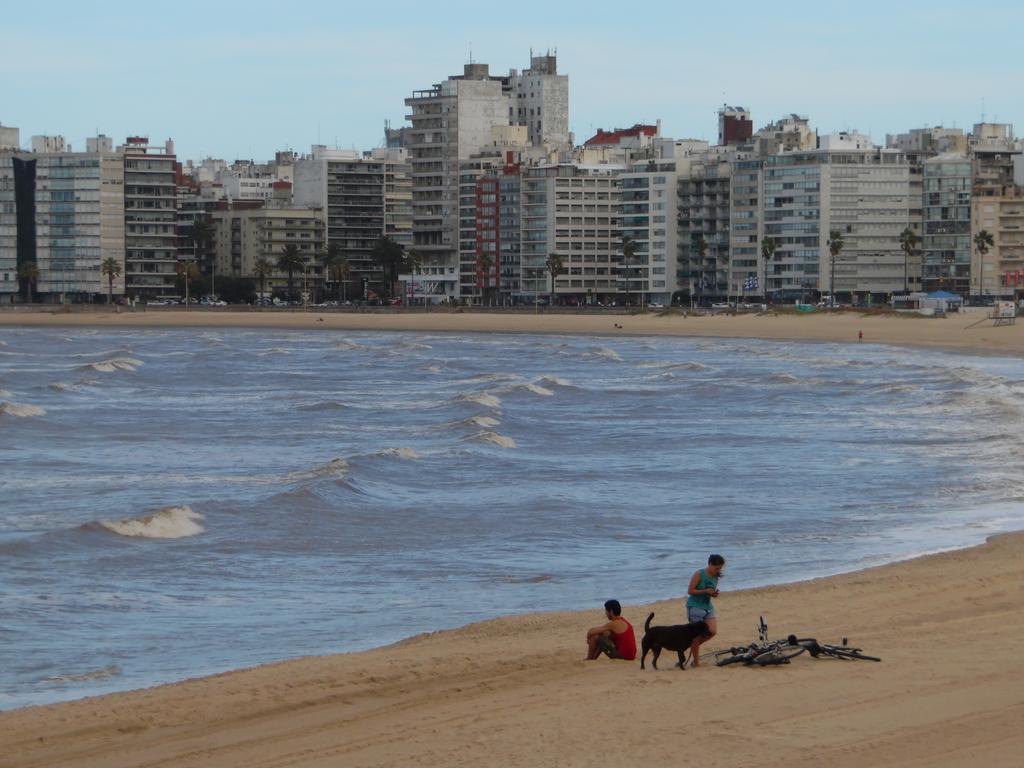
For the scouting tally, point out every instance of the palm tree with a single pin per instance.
(555, 268)
(289, 261)
(338, 269)
(628, 255)
(835, 247)
(201, 233)
(110, 268)
(29, 272)
(390, 257)
(768, 248)
(908, 242)
(700, 245)
(188, 271)
(982, 242)
(486, 261)
(263, 268)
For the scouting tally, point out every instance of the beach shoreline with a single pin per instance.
(969, 332)
(514, 686)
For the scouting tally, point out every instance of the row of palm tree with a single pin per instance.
(909, 242)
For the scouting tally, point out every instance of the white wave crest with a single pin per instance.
(537, 389)
(21, 410)
(555, 381)
(81, 677)
(412, 345)
(273, 351)
(401, 453)
(346, 345)
(169, 523)
(605, 352)
(488, 377)
(333, 468)
(495, 439)
(481, 398)
(6, 393)
(115, 364)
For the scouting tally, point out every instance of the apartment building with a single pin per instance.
(703, 223)
(540, 101)
(150, 216)
(64, 211)
(1000, 271)
(244, 235)
(946, 242)
(364, 197)
(572, 211)
(648, 219)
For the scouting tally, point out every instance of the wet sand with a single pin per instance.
(967, 332)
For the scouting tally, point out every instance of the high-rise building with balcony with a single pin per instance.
(64, 211)
(150, 218)
(364, 197)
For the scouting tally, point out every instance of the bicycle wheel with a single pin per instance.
(778, 655)
(848, 653)
(744, 657)
(720, 653)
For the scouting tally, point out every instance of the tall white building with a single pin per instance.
(64, 211)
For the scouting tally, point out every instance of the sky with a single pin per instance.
(241, 80)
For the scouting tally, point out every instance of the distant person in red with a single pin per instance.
(615, 638)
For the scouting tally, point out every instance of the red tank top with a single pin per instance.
(625, 641)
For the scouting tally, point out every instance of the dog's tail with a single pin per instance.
(647, 624)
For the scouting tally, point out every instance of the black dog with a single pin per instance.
(678, 638)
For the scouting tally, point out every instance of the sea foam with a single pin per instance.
(495, 439)
(115, 364)
(21, 410)
(168, 523)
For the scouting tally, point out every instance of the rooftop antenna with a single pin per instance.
(471, 52)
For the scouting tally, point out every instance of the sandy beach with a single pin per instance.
(968, 332)
(515, 691)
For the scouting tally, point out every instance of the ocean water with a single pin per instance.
(177, 503)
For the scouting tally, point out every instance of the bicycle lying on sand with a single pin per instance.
(767, 652)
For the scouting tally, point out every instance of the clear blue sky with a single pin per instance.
(242, 79)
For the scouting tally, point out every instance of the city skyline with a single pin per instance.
(237, 89)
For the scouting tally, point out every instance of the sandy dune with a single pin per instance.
(968, 331)
(515, 691)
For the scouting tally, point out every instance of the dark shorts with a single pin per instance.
(607, 647)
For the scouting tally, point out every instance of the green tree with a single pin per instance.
(289, 261)
(28, 272)
(700, 245)
(187, 271)
(110, 268)
(768, 248)
(202, 233)
(390, 257)
(982, 242)
(486, 262)
(263, 268)
(555, 268)
(628, 260)
(908, 243)
(835, 247)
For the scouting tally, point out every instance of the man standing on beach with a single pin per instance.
(703, 587)
(615, 638)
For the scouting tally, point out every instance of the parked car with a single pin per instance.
(656, 305)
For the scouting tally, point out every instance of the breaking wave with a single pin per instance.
(495, 439)
(169, 523)
(21, 410)
(347, 345)
(273, 351)
(481, 398)
(334, 468)
(82, 677)
(605, 352)
(6, 393)
(114, 364)
(400, 453)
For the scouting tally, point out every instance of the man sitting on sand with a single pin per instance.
(703, 587)
(614, 638)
